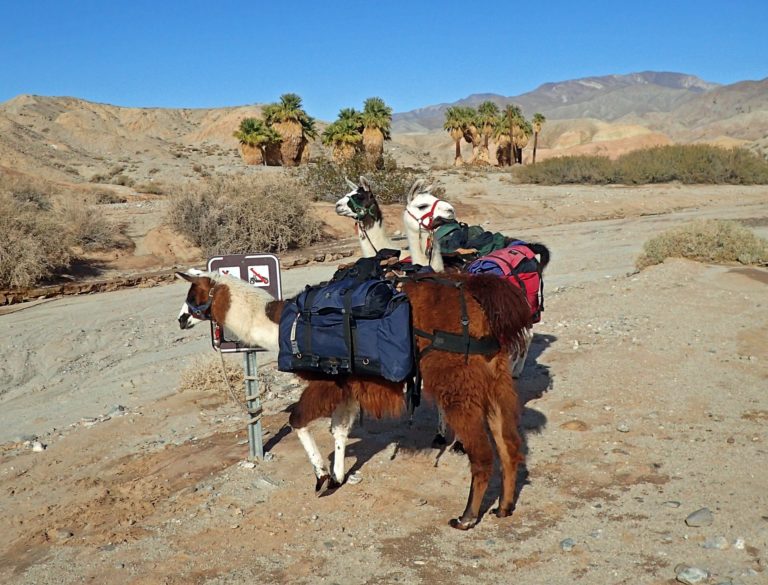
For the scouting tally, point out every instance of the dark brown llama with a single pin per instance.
(475, 391)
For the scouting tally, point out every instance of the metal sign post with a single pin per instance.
(261, 271)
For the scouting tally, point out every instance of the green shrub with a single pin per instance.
(324, 180)
(710, 240)
(690, 164)
(241, 214)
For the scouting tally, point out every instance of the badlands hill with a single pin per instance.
(70, 139)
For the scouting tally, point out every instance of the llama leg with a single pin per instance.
(442, 431)
(341, 422)
(319, 399)
(318, 463)
(502, 422)
(517, 364)
(470, 423)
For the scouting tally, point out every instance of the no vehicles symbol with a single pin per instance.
(258, 275)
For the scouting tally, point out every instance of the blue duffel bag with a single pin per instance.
(348, 326)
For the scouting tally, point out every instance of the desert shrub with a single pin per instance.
(568, 169)
(690, 163)
(107, 197)
(87, 226)
(152, 188)
(324, 180)
(34, 243)
(241, 214)
(710, 240)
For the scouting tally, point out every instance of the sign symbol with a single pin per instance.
(225, 272)
(257, 277)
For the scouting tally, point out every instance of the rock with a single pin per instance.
(671, 504)
(300, 261)
(38, 447)
(567, 544)
(622, 427)
(701, 517)
(692, 575)
(739, 543)
(117, 410)
(575, 425)
(717, 542)
(319, 257)
(59, 534)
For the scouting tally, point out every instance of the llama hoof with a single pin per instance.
(503, 512)
(458, 448)
(320, 484)
(460, 524)
(439, 441)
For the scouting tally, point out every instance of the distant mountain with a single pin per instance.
(604, 98)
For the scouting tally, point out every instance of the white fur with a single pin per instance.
(308, 442)
(418, 206)
(341, 423)
(247, 316)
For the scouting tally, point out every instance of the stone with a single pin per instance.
(699, 518)
(567, 544)
(38, 447)
(716, 542)
(692, 575)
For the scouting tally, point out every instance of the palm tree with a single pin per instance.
(293, 124)
(457, 121)
(255, 137)
(487, 116)
(511, 119)
(344, 135)
(377, 121)
(523, 130)
(503, 144)
(538, 122)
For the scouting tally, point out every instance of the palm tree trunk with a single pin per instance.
(457, 160)
(535, 143)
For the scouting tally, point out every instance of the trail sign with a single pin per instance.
(259, 270)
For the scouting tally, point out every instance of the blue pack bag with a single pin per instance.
(348, 326)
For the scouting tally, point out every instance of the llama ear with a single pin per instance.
(351, 184)
(415, 188)
(185, 276)
(365, 184)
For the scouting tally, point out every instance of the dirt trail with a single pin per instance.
(644, 401)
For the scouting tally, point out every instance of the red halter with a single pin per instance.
(429, 217)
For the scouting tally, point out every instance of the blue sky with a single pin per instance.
(336, 54)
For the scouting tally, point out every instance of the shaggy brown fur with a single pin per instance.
(476, 392)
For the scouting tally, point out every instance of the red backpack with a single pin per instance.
(518, 264)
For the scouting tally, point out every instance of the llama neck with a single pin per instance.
(417, 244)
(247, 318)
(373, 239)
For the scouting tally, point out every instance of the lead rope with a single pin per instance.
(231, 390)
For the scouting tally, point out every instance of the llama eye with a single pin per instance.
(420, 207)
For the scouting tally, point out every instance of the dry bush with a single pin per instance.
(205, 374)
(34, 241)
(88, 227)
(324, 180)
(689, 163)
(709, 240)
(242, 214)
(39, 226)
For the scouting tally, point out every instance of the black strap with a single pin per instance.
(349, 324)
(457, 343)
(307, 313)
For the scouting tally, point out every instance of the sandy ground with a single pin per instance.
(645, 400)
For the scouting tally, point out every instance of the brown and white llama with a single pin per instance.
(475, 390)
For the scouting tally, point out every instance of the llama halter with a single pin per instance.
(426, 221)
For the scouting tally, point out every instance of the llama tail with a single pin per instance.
(505, 307)
(542, 251)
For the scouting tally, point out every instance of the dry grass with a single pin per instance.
(205, 374)
(715, 241)
(242, 214)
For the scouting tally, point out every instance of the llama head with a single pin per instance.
(360, 204)
(424, 211)
(199, 297)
